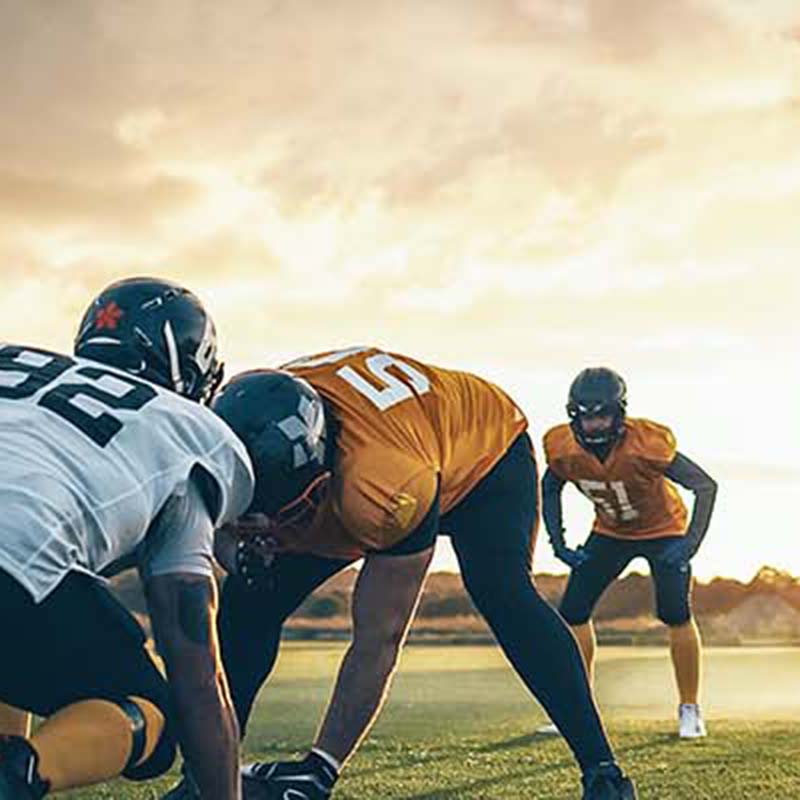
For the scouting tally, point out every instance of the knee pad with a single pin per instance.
(575, 608)
(674, 612)
(574, 616)
(138, 723)
(153, 748)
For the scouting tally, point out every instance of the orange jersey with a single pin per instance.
(632, 497)
(405, 428)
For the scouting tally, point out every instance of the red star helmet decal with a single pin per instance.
(108, 317)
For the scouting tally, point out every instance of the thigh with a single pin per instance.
(290, 580)
(498, 518)
(607, 558)
(79, 643)
(672, 584)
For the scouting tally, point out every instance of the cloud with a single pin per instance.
(631, 31)
(137, 128)
(37, 201)
(223, 254)
(754, 473)
(383, 164)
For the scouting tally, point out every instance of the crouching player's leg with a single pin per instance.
(491, 530)
(85, 743)
(81, 662)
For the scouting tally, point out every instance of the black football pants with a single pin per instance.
(491, 530)
(607, 557)
(79, 643)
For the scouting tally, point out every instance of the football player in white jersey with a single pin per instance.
(110, 458)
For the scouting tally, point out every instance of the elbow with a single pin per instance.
(705, 487)
(554, 526)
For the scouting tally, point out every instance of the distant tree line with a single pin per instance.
(444, 595)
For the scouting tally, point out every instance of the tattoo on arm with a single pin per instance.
(194, 611)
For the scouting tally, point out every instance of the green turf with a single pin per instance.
(459, 725)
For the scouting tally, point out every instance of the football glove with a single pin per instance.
(252, 566)
(310, 779)
(572, 558)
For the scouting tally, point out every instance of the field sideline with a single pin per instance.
(459, 725)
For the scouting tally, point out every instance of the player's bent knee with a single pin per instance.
(499, 599)
(675, 616)
(152, 746)
(574, 616)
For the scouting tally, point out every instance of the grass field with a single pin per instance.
(459, 725)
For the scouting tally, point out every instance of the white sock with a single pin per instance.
(328, 758)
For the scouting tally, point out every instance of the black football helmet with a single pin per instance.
(597, 391)
(156, 329)
(281, 420)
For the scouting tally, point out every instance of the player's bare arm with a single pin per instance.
(183, 610)
(385, 598)
(384, 601)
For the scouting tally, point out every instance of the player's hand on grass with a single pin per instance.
(310, 779)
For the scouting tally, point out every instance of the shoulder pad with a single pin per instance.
(653, 441)
(558, 441)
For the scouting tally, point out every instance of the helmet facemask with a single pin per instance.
(597, 392)
(282, 421)
(599, 437)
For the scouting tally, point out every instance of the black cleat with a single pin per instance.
(19, 770)
(310, 779)
(607, 781)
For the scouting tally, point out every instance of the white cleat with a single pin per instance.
(691, 725)
(548, 730)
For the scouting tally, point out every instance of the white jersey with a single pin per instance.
(91, 456)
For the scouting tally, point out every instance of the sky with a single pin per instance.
(520, 188)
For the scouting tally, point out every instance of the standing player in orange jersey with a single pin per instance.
(365, 454)
(628, 468)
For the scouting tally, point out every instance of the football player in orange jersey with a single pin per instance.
(366, 454)
(628, 468)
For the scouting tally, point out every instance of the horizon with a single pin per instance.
(632, 571)
(519, 189)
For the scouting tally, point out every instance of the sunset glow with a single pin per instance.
(518, 188)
